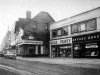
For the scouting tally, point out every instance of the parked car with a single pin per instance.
(10, 55)
(1, 54)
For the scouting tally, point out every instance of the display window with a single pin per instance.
(61, 51)
(92, 49)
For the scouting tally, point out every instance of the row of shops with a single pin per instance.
(77, 36)
(82, 46)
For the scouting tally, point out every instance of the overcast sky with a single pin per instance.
(11, 10)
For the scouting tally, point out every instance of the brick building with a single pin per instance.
(32, 35)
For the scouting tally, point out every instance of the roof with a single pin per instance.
(77, 15)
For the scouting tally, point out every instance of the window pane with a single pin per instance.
(65, 31)
(91, 25)
(74, 28)
(54, 33)
(81, 27)
(59, 32)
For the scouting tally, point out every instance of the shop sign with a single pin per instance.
(32, 42)
(61, 41)
(91, 46)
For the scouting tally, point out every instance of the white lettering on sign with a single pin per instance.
(61, 41)
(32, 42)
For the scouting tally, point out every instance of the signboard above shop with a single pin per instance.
(31, 42)
(61, 41)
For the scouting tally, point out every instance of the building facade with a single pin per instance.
(83, 29)
(32, 35)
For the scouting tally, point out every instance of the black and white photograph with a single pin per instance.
(49, 37)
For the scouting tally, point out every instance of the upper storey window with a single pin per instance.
(34, 24)
(74, 28)
(65, 30)
(54, 33)
(91, 24)
(83, 26)
(60, 32)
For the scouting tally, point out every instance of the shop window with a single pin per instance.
(74, 28)
(54, 33)
(97, 36)
(91, 37)
(91, 24)
(65, 30)
(59, 32)
(82, 38)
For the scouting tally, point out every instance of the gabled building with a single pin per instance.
(32, 35)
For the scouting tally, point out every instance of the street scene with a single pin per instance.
(49, 37)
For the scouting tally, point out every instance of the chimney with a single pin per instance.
(28, 14)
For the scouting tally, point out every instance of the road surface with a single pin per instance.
(38, 68)
(7, 72)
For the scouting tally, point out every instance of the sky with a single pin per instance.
(11, 10)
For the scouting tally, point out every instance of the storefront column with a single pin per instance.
(36, 50)
(41, 49)
(50, 55)
(72, 51)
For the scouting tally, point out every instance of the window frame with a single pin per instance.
(67, 31)
(55, 32)
(85, 22)
(76, 29)
(79, 24)
(93, 19)
(60, 29)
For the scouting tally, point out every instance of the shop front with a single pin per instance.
(61, 47)
(31, 48)
(86, 46)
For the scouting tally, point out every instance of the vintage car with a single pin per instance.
(10, 55)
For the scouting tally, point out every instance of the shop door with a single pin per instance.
(79, 50)
(62, 52)
(32, 50)
(55, 51)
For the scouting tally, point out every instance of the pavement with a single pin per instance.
(72, 62)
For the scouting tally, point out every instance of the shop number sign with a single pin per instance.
(61, 41)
